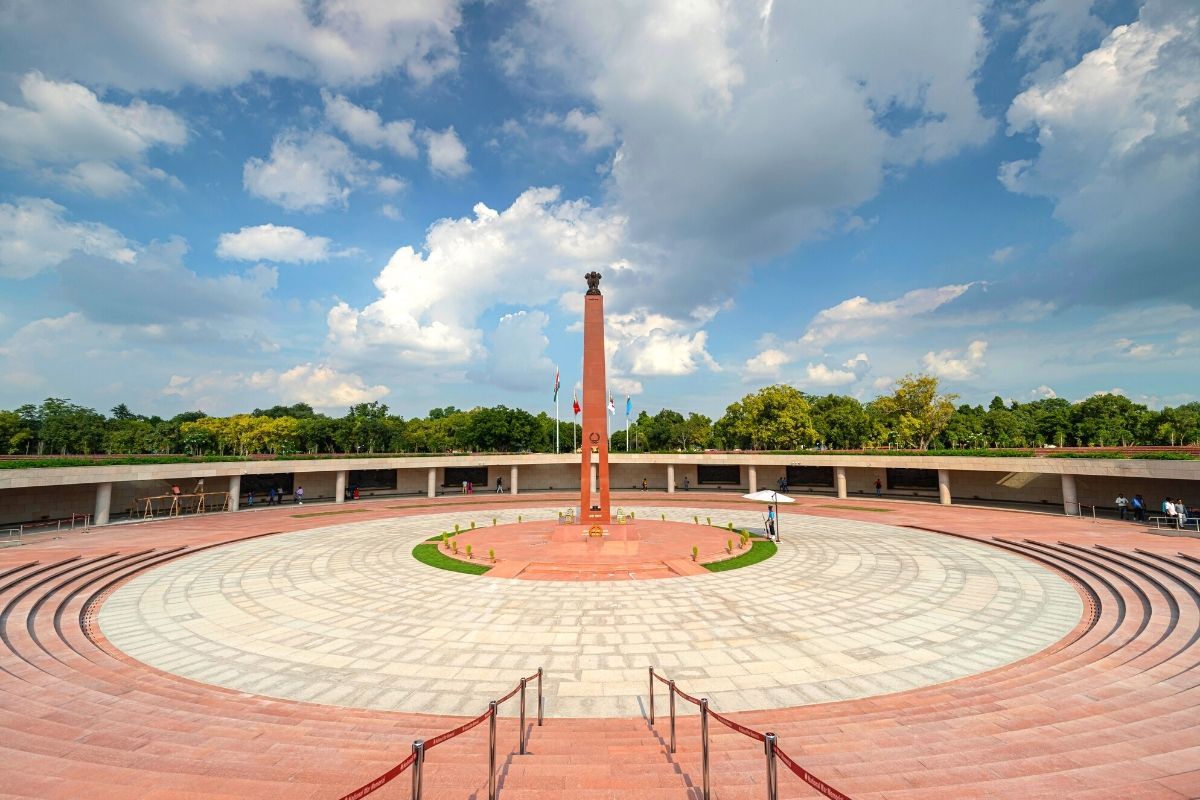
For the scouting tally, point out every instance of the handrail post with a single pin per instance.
(540, 699)
(671, 691)
(492, 751)
(704, 746)
(418, 765)
(769, 744)
(521, 732)
(651, 695)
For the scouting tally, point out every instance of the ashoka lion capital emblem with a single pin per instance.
(593, 279)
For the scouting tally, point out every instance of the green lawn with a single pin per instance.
(760, 550)
(428, 553)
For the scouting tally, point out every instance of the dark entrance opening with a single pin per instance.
(912, 478)
(454, 476)
(366, 479)
(810, 476)
(710, 475)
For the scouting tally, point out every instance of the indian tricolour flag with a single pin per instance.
(556, 384)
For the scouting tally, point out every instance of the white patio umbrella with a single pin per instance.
(770, 496)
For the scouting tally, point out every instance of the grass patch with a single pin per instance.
(860, 508)
(760, 550)
(428, 553)
(330, 513)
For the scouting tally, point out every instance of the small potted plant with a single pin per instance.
(454, 545)
(492, 554)
(695, 552)
(470, 555)
(729, 546)
(445, 540)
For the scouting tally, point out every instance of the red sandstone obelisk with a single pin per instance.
(594, 507)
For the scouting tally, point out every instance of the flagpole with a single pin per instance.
(557, 448)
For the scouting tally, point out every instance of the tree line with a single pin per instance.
(780, 417)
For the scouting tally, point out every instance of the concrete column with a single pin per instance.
(839, 480)
(1070, 499)
(339, 486)
(235, 492)
(399, 482)
(944, 486)
(431, 489)
(752, 478)
(513, 486)
(103, 504)
(670, 479)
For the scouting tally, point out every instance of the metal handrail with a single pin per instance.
(85, 521)
(416, 759)
(770, 744)
(1079, 507)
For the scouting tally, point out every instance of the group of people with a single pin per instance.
(1176, 509)
(275, 496)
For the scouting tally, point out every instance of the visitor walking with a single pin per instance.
(464, 487)
(1139, 508)
(249, 498)
(771, 523)
(271, 496)
(499, 484)
(687, 484)
(645, 485)
(1121, 503)
(299, 493)
(279, 495)
(878, 488)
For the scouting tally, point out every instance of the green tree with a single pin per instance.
(776, 417)
(915, 412)
(1106, 420)
(841, 422)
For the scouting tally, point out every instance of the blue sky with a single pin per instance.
(225, 207)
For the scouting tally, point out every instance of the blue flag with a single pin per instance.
(628, 405)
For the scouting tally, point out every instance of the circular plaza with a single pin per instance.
(344, 615)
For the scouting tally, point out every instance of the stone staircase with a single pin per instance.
(1113, 711)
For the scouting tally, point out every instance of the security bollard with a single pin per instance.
(651, 695)
(418, 749)
(671, 691)
(704, 745)
(492, 751)
(521, 731)
(770, 742)
(540, 702)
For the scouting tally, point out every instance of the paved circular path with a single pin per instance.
(343, 615)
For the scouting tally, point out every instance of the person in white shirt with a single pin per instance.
(1168, 508)
(1122, 504)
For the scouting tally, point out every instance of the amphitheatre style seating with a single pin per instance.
(1111, 711)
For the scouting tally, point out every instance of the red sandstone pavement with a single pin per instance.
(1110, 712)
(637, 550)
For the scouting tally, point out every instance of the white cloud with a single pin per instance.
(821, 375)
(365, 127)
(597, 133)
(517, 354)
(81, 138)
(855, 223)
(389, 184)
(1003, 254)
(171, 45)
(951, 365)
(661, 353)
(430, 301)
(1119, 155)
(1042, 392)
(766, 364)
(858, 362)
(35, 236)
(626, 386)
(446, 152)
(273, 243)
(306, 172)
(701, 85)
(391, 212)
(859, 318)
(1128, 347)
(883, 383)
(318, 385)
